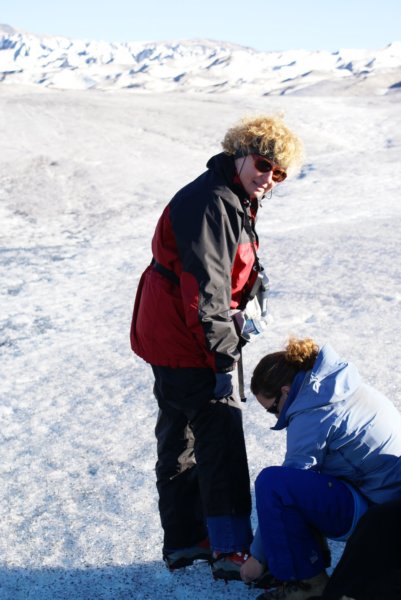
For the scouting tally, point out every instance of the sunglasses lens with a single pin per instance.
(273, 409)
(279, 175)
(263, 165)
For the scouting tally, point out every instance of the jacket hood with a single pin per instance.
(224, 165)
(331, 380)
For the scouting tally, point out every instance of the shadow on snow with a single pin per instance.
(147, 581)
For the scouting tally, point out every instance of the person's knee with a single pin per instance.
(267, 478)
(280, 483)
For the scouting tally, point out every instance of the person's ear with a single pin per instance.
(285, 389)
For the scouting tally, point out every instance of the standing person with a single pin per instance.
(343, 454)
(204, 267)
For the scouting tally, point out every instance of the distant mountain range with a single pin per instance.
(194, 66)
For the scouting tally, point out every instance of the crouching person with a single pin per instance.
(343, 455)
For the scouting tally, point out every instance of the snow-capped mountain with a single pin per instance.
(196, 65)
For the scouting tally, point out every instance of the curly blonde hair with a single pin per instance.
(268, 136)
(301, 352)
(280, 368)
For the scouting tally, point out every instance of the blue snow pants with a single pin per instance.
(291, 505)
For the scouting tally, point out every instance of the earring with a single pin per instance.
(269, 197)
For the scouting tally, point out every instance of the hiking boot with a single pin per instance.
(297, 590)
(184, 557)
(227, 566)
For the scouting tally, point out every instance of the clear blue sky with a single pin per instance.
(261, 24)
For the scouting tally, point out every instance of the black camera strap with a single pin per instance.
(252, 237)
(258, 268)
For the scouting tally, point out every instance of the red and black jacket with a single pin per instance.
(201, 270)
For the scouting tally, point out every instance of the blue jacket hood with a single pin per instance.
(331, 380)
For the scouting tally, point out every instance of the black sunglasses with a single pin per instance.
(264, 166)
(273, 409)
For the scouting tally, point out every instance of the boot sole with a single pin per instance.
(187, 562)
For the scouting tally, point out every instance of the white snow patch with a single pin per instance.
(83, 179)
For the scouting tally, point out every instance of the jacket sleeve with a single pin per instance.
(307, 440)
(207, 238)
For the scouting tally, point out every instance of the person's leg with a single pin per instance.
(292, 504)
(180, 504)
(177, 482)
(388, 587)
(370, 567)
(224, 483)
(223, 474)
(185, 396)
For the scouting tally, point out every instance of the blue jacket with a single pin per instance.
(341, 427)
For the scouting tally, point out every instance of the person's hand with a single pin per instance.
(224, 385)
(251, 569)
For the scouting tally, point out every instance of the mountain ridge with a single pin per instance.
(200, 65)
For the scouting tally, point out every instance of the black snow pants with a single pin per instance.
(202, 467)
(370, 567)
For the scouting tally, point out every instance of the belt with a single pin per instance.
(170, 275)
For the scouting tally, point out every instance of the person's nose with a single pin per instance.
(268, 177)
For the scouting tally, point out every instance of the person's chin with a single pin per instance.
(259, 193)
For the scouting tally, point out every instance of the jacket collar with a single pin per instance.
(224, 164)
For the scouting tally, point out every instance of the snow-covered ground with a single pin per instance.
(83, 179)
